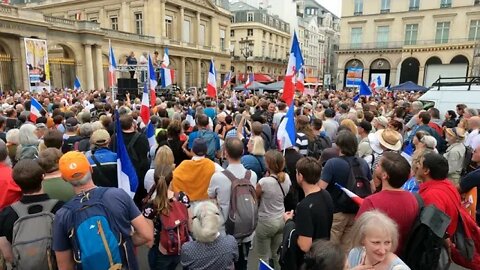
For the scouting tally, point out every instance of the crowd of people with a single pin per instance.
(217, 184)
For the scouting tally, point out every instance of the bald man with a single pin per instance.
(473, 138)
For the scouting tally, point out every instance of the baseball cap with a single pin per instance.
(74, 166)
(71, 122)
(199, 147)
(100, 137)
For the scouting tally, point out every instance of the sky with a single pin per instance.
(334, 6)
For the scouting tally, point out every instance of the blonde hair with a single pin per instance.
(161, 175)
(350, 125)
(374, 220)
(206, 222)
(164, 156)
(276, 164)
(258, 146)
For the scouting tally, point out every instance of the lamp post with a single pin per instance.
(246, 48)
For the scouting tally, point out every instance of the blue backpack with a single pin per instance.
(95, 236)
(211, 138)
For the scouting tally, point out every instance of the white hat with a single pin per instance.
(374, 143)
(389, 139)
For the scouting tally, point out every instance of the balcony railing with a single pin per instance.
(413, 8)
(357, 13)
(400, 44)
(384, 11)
(128, 36)
(8, 10)
(446, 5)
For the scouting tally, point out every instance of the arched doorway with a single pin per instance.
(7, 78)
(409, 70)
(380, 72)
(61, 59)
(461, 62)
(353, 73)
(433, 68)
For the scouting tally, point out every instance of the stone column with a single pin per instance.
(181, 18)
(125, 22)
(421, 75)
(24, 72)
(99, 67)
(183, 82)
(162, 18)
(88, 67)
(199, 72)
(196, 37)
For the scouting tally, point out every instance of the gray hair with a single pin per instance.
(374, 220)
(3, 151)
(206, 222)
(12, 136)
(83, 181)
(27, 135)
(417, 105)
(96, 126)
(85, 130)
(429, 141)
(472, 111)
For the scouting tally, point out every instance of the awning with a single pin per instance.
(312, 80)
(258, 77)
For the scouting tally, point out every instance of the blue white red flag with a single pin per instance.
(167, 76)
(76, 84)
(250, 80)
(300, 84)
(127, 177)
(264, 266)
(355, 198)
(286, 134)
(145, 108)
(166, 59)
(364, 89)
(295, 62)
(150, 132)
(153, 81)
(356, 97)
(35, 110)
(226, 81)
(112, 67)
(212, 81)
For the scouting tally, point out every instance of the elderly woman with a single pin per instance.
(325, 255)
(375, 239)
(455, 152)
(12, 144)
(28, 141)
(53, 183)
(211, 249)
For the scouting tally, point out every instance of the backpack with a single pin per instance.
(425, 246)
(131, 149)
(288, 250)
(211, 140)
(174, 228)
(32, 237)
(357, 183)
(316, 147)
(467, 164)
(96, 238)
(243, 212)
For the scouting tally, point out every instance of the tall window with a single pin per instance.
(356, 37)
(249, 32)
(443, 29)
(168, 26)
(474, 33)
(114, 22)
(385, 8)
(138, 23)
(250, 17)
(186, 31)
(411, 32)
(414, 5)
(201, 35)
(264, 45)
(445, 3)
(222, 39)
(382, 36)
(358, 7)
(94, 19)
(232, 33)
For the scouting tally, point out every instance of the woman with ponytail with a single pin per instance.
(162, 203)
(211, 249)
(271, 191)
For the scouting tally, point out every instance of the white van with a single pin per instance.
(446, 93)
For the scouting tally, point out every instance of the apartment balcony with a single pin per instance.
(446, 5)
(413, 8)
(401, 44)
(385, 11)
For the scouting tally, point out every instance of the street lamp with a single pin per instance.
(246, 48)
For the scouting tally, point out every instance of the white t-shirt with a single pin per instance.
(271, 203)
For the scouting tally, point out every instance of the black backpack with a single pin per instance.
(467, 165)
(357, 183)
(425, 246)
(131, 149)
(316, 147)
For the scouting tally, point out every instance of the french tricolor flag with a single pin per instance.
(212, 81)
(127, 177)
(300, 85)
(150, 132)
(295, 63)
(145, 108)
(153, 81)
(350, 194)
(286, 135)
(167, 76)
(226, 81)
(166, 59)
(250, 80)
(112, 67)
(35, 110)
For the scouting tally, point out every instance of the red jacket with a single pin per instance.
(9, 191)
(444, 195)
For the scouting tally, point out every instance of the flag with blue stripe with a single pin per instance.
(364, 89)
(150, 132)
(356, 97)
(127, 177)
(264, 266)
(76, 84)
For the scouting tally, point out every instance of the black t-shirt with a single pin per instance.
(8, 216)
(69, 143)
(314, 216)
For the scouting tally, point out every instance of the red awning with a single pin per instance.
(258, 77)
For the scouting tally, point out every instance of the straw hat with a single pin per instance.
(389, 139)
(456, 132)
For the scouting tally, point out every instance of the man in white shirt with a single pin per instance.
(473, 138)
(277, 117)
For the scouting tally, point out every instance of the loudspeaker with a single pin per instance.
(127, 85)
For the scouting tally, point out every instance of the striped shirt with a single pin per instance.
(302, 143)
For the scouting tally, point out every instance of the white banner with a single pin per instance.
(36, 55)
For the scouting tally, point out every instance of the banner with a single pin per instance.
(36, 53)
(379, 79)
(354, 77)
